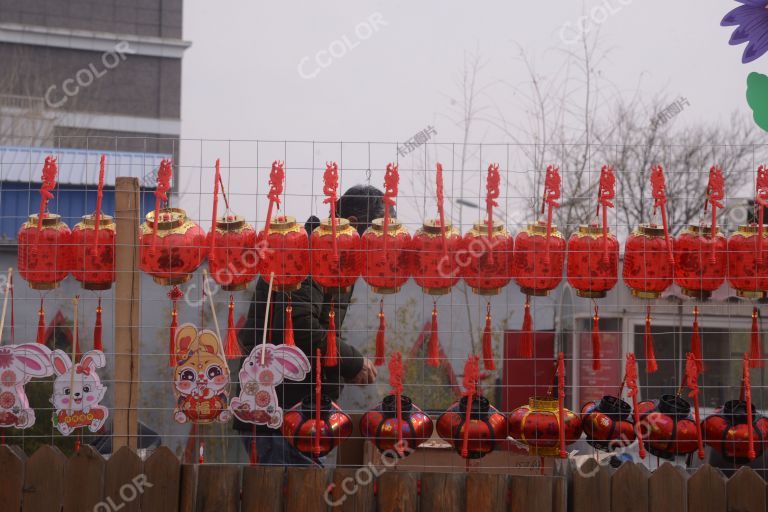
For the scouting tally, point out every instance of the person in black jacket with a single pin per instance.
(360, 205)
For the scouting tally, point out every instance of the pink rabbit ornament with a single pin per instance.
(257, 402)
(77, 392)
(18, 365)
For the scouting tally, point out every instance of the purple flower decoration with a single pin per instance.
(751, 20)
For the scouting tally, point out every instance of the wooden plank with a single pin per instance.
(398, 492)
(745, 491)
(126, 307)
(706, 490)
(123, 480)
(668, 488)
(218, 488)
(559, 494)
(188, 488)
(591, 487)
(263, 489)
(528, 493)
(443, 491)
(350, 453)
(352, 490)
(486, 492)
(306, 490)
(84, 480)
(629, 488)
(12, 464)
(44, 480)
(163, 472)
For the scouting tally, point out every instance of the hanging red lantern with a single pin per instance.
(472, 425)
(93, 245)
(747, 252)
(45, 256)
(539, 257)
(171, 246)
(231, 258)
(316, 425)
(336, 246)
(700, 251)
(396, 428)
(545, 425)
(608, 423)
(435, 268)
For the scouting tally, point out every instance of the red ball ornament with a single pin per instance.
(593, 262)
(668, 428)
(233, 261)
(45, 254)
(608, 423)
(380, 426)
(538, 426)
(93, 252)
(172, 248)
(727, 431)
(300, 426)
(485, 429)
(648, 269)
(700, 261)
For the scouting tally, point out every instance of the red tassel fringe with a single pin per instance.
(561, 402)
(331, 351)
(172, 336)
(232, 349)
(97, 343)
(433, 352)
(288, 338)
(526, 339)
(755, 350)
(651, 366)
(380, 335)
(41, 324)
(596, 364)
(696, 341)
(747, 387)
(488, 362)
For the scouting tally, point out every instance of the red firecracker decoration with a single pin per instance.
(93, 245)
(232, 258)
(171, 244)
(608, 423)
(668, 425)
(472, 425)
(316, 425)
(44, 255)
(700, 251)
(545, 425)
(396, 425)
(747, 254)
(691, 380)
(336, 246)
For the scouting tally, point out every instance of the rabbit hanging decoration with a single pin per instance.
(257, 402)
(77, 392)
(18, 365)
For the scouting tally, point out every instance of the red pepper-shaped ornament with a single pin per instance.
(608, 423)
(337, 258)
(172, 246)
(45, 256)
(472, 425)
(93, 245)
(747, 252)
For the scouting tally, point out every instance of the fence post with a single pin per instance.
(127, 295)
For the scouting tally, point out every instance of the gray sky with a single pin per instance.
(388, 69)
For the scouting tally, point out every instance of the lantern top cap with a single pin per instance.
(482, 226)
(90, 219)
(169, 218)
(378, 225)
(649, 230)
(230, 222)
(702, 229)
(49, 219)
(591, 229)
(540, 228)
(543, 403)
(341, 224)
(750, 229)
(433, 226)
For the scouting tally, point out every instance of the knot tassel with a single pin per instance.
(488, 362)
(288, 337)
(331, 351)
(651, 365)
(41, 324)
(433, 352)
(596, 365)
(97, 328)
(232, 349)
(755, 350)
(526, 340)
(380, 336)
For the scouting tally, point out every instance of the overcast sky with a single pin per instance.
(382, 71)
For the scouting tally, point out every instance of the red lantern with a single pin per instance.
(380, 425)
(727, 431)
(45, 256)
(472, 425)
(316, 425)
(593, 262)
(608, 423)
(670, 428)
(747, 254)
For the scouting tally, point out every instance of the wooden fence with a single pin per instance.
(48, 481)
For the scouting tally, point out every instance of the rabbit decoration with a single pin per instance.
(77, 392)
(201, 377)
(257, 402)
(18, 365)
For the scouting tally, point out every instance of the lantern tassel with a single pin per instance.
(380, 335)
(526, 339)
(288, 337)
(748, 397)
(696, 341)
(97, 344)
(13, 316)
(561, 402)
(232, 350)
(215, 212)
(596, 364)
(631, 380)
(488, 362)
(41, 324)
(331, 351)
(175, 294)
(755, 351)
(651, 366)
(396, 381)
(691, 378)
(318, 399)
(471, 376)
(433, 351)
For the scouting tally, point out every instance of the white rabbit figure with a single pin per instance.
(257, 402)
(18, 365)
(77, 392)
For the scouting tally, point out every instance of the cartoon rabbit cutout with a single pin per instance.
(18, 365)
(257, 402)
(78, 391)
(201, 377)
